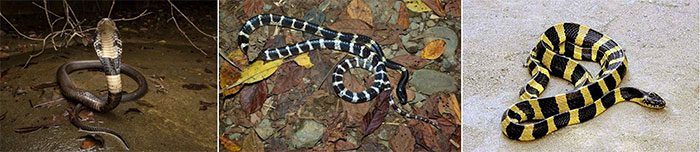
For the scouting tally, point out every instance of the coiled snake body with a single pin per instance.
(108, 49)
(555, 54)
(369, 56)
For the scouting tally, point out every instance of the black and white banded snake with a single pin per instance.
(369, 56)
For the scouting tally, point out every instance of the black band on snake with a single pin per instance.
(369, 56)
(108, 49)
(555, 54)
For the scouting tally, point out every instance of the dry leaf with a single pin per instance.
(416, 6)
(375, 118)
(229, 144)
(402, 140)
(436, 6)
(253, 7)
(453, 8)
(454, 105)
(258, 71)
(252, 97)
(403, 21)
(304, 60)
(433, 49)
(252, 143)
(358, 9)
(352, 26)
(411, 61)
(289, 76)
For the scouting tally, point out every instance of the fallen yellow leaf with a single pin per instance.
(258, 71)
(433, 49)
(454, 104)
(229, 144)
(304, 60)
(416, 6)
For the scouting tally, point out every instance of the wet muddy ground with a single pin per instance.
(178, 112)
(660, 38)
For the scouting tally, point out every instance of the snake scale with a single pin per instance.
(369, 56)
(108, 48)
(555, 54)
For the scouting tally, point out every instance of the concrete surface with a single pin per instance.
(661, 39)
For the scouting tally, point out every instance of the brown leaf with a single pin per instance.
(343, 145)
(289, 76)
(436, 6)
(411, 61)
(402, 140)
(433, 49)
(229, 144)
(375, 118)
(358, 9)
(355, 112)
(229, 74)
(426, 135)
(252, 7)
(403, 21)
(453, 8)
(352, 26)
(252, 143)
(252, 97)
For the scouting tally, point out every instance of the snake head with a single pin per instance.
(653, 100)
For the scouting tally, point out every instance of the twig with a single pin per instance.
(172, 17)
(188, 20)
(13, 27)
(110, 10)
(48, 20)
(229, 61)
(144, 13)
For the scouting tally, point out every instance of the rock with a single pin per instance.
(431, 81)
(228, 121)
(264, 129)
(394, 46)
(413, 26)
(267, 7)
(419, 97)
(444, 33)
(307, 135)
(430, 23)
(446, 65)
(384, 134)
(234, 136)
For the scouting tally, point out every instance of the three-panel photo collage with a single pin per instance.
(349, 75)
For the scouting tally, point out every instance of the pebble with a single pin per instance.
(431, 81)
(430, 23)
(307, 135)
(266, 7)
(264, 129)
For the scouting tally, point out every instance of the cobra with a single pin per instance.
(108, 48)
(555, 55)
(369, 56)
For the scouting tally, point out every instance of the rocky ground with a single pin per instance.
(300, 111)
(661, 43)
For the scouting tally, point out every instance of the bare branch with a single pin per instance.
(110, 10)
(188, 38)
(188, 20)
(44, 8)
(48, 20)
(144, 13)
(13, 27)
(172, 16)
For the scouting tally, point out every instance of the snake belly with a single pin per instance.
(369, 56)
(108, 48)
(555, 55)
